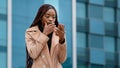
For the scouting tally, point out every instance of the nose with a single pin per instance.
(50, 19)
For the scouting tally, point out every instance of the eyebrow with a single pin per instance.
(49, 14)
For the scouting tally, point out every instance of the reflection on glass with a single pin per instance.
(119, 3)
(119, 58)
(118, 15)
(82, 65)
(97, 56)
(3, 6)
(81, 40)
(110, 29)
(111, 3)
(82, 55)
(110, 58)
(99, 23)
(96, 41)
(82, 0)
(108, 14)
(97, 26)
(118, 44)
(96, 66)
(100, 2)
(82, 58)
(3, 60)
(3, 34)
(81, 10)
(109, 44)
(82, 25)
(110, 66)
(119, 29)
(95, 11)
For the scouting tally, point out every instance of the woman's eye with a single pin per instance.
(54, 17)
(47, 16)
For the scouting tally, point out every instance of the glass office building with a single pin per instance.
(98, 33)
(3, 33)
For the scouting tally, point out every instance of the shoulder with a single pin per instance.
(32, 29)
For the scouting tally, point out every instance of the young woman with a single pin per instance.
(45, 39)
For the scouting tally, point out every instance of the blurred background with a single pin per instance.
(97, 31)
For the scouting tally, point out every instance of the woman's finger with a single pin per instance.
(61, 27)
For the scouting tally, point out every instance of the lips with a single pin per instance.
(51, 23)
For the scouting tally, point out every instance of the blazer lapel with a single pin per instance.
(55, 40)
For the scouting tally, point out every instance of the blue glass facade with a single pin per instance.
(23, 13)
(3, 33)
(98, 33)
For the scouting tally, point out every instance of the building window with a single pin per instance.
(96, 66)
(109, 44)
(95, 41)
(81, 65)
(118, 45)
(108, 14)
(111, 3)
(81, 40)
(3, 60)
(110, 59)
(82, 1)
(3, 33)
(119, 29)
(110, 66)
(82, 55)
(100, 2)
(119, 58)
(3, 7)
(111, 29)
(118, 3)
(97, 57)
(81, 10)
(96, 26)
(82, 25)
(118, 15)
(95, 11)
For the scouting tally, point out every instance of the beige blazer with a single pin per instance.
(37, 47)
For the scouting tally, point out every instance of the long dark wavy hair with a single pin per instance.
(38, 21)
(42, 10)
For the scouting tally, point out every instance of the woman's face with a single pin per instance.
(49, 17)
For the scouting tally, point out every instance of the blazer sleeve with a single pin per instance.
(35, 46)
(62, 52)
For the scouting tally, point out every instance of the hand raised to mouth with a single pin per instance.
(48, 28)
